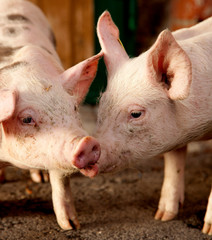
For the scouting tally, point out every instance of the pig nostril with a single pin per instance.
(87, 153)
(95, 148)
(80, 156)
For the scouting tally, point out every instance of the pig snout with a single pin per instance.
(86, 155)
(87, 152)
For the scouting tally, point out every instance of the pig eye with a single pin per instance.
(136, 114)
(26, 117)
(27, 121)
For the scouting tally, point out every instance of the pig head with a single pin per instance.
(156, 103)
(39, 121)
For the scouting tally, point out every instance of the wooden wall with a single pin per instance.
(73, 24)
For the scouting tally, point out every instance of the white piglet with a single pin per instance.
(156, 103)
(40, 125)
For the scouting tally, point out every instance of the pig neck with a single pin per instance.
(3, 158)
(195, 112)
(6, 160)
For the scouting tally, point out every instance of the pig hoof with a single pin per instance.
(39, 176)
(70, 224)
(164, 215)
(207, 228)
(74, 224)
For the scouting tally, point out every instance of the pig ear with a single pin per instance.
(108, 34)
(7, 104)
(171, 66)
(77, 79)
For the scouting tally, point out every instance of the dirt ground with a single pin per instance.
(118, 206)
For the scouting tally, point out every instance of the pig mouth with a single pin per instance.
(90, 171)
(109, 169)
(86, 155)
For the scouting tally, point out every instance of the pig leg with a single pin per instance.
(39, 176)
(62, 200)
(207, 228)
(172, 192)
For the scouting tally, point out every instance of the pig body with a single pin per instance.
(40, 126)
(156, 103)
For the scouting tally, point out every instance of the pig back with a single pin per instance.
(22, 23)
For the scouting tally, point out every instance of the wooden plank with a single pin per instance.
(58, 14)
(82, 29)
(73, 24)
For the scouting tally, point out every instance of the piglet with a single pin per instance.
(155, 104)
(40, 125)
